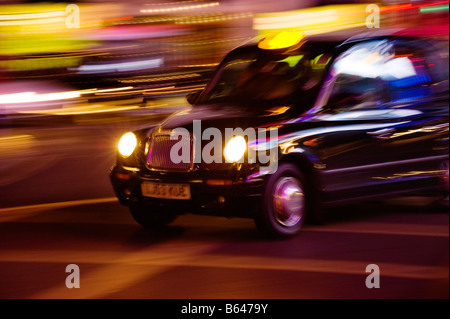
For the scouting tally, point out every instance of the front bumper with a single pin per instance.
(242, 198)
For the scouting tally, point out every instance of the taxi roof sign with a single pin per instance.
(281, 40)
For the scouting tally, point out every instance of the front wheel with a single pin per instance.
(286, 203)
(151, 217)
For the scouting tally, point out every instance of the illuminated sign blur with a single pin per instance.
(29, 29)
(281, 40)
(313, 20)
(328, 18)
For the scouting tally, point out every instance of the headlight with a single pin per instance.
(127, 144)
(235, 149)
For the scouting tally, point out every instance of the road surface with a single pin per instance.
(58, 209)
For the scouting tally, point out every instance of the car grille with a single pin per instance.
(159, 149)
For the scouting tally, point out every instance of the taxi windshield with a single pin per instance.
(253, 75)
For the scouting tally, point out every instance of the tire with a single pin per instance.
(151, 217)
(287, 201)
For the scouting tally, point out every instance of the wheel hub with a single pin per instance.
(288, 199)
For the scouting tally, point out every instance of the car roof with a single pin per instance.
(350, 37)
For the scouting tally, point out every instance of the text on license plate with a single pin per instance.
(168, 191)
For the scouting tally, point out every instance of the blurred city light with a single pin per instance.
(161, 48)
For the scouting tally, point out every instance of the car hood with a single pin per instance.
(227, 116)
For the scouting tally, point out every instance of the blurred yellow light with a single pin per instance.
(314, 20)
(127, 144)
(282, 40)
(235, 149)
(41, 63)
(292, 60)
(30, 97)
(31, 15)
(172, 9)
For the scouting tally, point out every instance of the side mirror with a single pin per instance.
(193, 97)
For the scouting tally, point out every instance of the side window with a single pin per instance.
(354, 92)
(381, 73)
(421, 72)
(358, 77)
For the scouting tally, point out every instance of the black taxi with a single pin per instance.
(291, 124)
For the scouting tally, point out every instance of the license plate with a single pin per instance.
(167, 191)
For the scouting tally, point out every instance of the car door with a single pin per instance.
(417, 89)
(366, 149)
